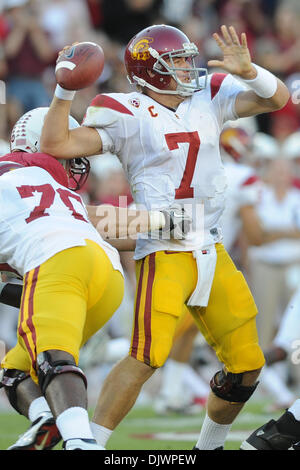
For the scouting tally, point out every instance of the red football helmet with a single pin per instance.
(236, 142)
(154, 50)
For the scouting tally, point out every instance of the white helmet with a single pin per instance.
(291, 146)
(26, 135)
(265, 146)
(27, 131)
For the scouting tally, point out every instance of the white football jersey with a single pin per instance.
(243, 190)
(171, 157)
(40, 217)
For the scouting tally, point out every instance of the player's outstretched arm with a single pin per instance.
(58, 141)
(118, 222)
(267, 93)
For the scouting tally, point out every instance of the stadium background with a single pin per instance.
(31, 34)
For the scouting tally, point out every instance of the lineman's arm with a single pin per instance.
(58, 141)
(119, 222)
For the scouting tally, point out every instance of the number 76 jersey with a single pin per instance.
(171, 157)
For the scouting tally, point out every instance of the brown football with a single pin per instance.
(79, 66)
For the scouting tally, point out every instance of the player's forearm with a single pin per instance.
(278, 100)
(268, 94)
(55, 133)
(118, 222)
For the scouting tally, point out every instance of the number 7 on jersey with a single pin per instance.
(185, 190)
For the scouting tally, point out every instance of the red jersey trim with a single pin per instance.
(215, 83)
(103, 101)
(251, 180)
(6, 267)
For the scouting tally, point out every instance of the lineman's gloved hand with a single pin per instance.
(178, 223)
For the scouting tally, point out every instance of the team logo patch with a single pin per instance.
(140, 49)
(135, 102)
(69, 53)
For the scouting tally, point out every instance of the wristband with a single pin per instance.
(264, 84)
(157, 220)
(63, 94)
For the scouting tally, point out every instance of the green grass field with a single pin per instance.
(143, 429)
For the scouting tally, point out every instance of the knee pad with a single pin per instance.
(10, 379)
(229, 387)
(47, 370)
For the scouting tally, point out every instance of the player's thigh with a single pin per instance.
(105, 306)
(53, 310)
(164, 283)
(56, 297)
(229, 321)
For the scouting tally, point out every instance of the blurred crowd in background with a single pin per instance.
(32, 32)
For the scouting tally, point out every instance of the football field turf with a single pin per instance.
(143, 429)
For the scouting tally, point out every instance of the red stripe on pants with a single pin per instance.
(29, 321)
(30, 310)
(148, 305)
(135, 341)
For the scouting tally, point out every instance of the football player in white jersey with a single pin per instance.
(166, 135)
(73, 283)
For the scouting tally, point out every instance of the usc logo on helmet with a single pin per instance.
(140, 49)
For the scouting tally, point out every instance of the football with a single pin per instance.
(79, 66)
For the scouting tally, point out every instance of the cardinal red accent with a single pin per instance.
(296, 183)
(251, 180)
(6, 267)
(103, 101)
(135, 341)
(148, 308)
(215, 83)
(41, 160)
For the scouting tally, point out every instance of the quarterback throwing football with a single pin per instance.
(166, 134)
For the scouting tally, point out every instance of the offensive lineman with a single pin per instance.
(167, 138)
(47, 238)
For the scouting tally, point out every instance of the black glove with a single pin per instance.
(178, 222)
(10, 294)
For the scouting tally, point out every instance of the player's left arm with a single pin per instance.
(268, 93)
